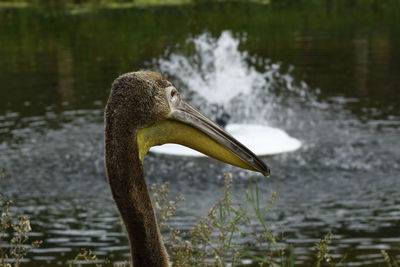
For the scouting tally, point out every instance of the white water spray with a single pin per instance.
(218, 74)
(221, 76)
(218, 71)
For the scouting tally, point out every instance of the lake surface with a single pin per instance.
(329, 76)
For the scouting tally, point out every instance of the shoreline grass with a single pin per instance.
(14, 240)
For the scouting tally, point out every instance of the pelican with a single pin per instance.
(144, 110)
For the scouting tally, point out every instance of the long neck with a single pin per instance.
(128, 186)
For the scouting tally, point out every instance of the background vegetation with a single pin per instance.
(334, 4)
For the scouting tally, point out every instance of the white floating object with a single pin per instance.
(262, 140)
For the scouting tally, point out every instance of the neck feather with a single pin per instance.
(128, 186)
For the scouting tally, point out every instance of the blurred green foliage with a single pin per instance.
(373, 4)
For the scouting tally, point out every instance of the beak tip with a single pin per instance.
(263, 168)
(265, 171)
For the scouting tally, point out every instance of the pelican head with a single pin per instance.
(145, 110)
(152, 108)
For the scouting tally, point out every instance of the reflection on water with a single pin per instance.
(65, 76)
(332, 86)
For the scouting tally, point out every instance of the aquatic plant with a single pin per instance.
(233, 229)
(223, 236)
(390, 261)
(14, 245)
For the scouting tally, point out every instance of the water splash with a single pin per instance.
(218, 75)
(218, 71)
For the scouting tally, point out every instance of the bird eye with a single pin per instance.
(173, 93)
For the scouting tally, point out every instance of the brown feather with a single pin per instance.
(137, 99)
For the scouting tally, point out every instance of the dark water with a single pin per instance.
(329, 76)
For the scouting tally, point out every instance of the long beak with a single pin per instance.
(186, 126)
